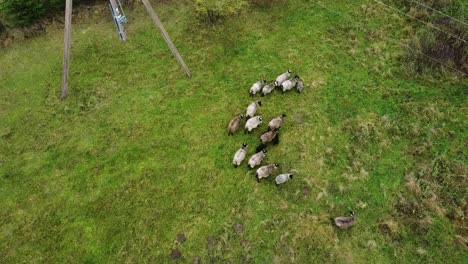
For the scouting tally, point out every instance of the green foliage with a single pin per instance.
(2, 26)
(214, 9)
(25, 12)
(439, 46)
(443, 44)
(138, 152)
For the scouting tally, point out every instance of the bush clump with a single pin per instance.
(440, 47)
(213, 10)
(430, 47)
(25, 12)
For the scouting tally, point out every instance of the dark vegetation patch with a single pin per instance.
(437, 177)
(244, 243)
(238, 228)
(210, 243)
(444, 45)
(197, 260)
(181, 238)
(175, 254)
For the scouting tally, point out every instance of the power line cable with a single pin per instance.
(427, 24)
(396, 41)
(435, 10)
(434, 59)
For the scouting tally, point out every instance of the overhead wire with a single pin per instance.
(427, 24)
(394, 40)
(435, 10)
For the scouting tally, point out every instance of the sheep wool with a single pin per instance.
(283, 77)
(252, 109)
(289, 84)
(269, 88)
(253, 123)
(257, 87)
(257, 158)
(276, 123)
(265, 171)
(300, 86)
(234, 124)
(282, 178)
(268, 136)
(346, 222)
(240, 155)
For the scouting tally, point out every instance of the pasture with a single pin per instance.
(138, 153)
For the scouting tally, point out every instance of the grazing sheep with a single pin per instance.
(276, 123)
(283, 77)
(256, 159)
(257, 87)
(269, 88)
(252, 109)
(289, 84)
(260, 147)
(266, 171)
(253, 123)
(282, 178)
(269, 136)
(346, 222)
(240, 155)
(299, 86)
(234, 124)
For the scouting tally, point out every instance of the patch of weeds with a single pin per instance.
(390, 229)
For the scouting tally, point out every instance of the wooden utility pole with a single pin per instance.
(66, 50)
(116, 13)
(166, 37)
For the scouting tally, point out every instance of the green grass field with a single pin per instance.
(138, 153)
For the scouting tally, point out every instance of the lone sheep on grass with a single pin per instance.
(346, 222)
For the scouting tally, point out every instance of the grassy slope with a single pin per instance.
(138, 153)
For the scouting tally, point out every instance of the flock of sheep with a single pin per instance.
(271, 135)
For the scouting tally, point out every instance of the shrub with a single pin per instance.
(2, 27)
(262, 2)
(434, 43)
(212, 10)
(25, 12)
(440, 46)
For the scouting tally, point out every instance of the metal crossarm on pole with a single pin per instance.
(119, 18)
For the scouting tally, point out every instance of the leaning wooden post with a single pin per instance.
(66, 50)
(166, 37)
